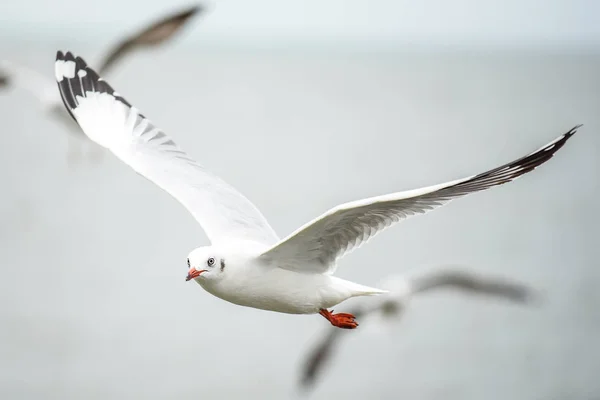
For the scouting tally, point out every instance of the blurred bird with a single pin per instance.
(44, 87)
(390, 307)
(247, 264)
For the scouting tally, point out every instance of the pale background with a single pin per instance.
(301, 106)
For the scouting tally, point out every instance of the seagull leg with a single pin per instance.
(341, 320)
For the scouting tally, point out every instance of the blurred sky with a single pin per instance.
(512, 23)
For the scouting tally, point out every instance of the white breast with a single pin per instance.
(280, 290)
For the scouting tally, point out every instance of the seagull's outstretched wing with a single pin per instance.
(156, 33)
(109, 120)
(315, 246)
(471, 282)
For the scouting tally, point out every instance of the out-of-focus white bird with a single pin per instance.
(247, 264)
(43, 87)
(401, 288)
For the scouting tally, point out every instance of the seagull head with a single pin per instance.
(205, 263)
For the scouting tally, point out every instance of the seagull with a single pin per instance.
(44, 89)
(401, 289)
(247, 264)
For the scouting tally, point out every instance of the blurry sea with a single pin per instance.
(93, 298)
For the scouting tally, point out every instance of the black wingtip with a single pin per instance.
(554, 146)
(570, 133)
(573, 130)
(80, 81)
(193, 10)
(511, 171)
(68, 100)
(184, 14)
(197, 8)
(68, 56)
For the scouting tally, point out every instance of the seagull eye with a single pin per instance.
(188, 260)
(211, 262)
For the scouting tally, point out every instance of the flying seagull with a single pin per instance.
(401, 289)
(44, 89)
(154, 34)
(247, 264)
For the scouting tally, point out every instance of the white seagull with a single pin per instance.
(390, 306)
(44, 89)
(247, 264)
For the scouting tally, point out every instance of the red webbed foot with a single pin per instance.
(341, 320)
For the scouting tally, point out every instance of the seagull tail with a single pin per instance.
(360, 290)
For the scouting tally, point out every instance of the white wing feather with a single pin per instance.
(109, 120)
(316, 246)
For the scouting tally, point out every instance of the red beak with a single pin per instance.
(193, 273)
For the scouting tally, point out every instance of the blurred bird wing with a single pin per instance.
(4, 78)
(317, 245)
(321, 353)
(109, 120)
(318, 357)
(154, 34)
(469, 281)
(39, 85)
